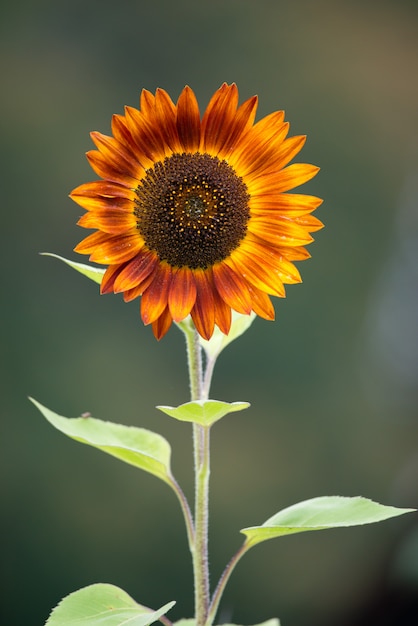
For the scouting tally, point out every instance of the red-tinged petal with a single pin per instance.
(232, 288)
(188, 120)
(111, 173)
(147, 137)
(244, 119)
(261, 304)
(108, 280)
(272, 127)
(154, 299)
(290, 178)
(288, 273)
(203, 312)
(162, 324)
(166, 120)
(112, 221)
(280, 231)
(257, 157)
(136, 271)
(122, 134)
(182, 294)
(218, 118)
(223, 317)
(147, 103)
(287, 204)
(89, 243)
(118, 155)
(92, 203)
(117, 249)
(131, 294)
(309, 222)
(99, 189)
(297, 254)
(261, 273)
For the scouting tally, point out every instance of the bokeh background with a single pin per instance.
(333, 383)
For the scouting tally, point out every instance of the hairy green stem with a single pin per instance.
(202, 471)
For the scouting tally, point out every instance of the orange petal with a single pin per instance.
(107, 170)
(99, 189)
(223, 315)
(257, 155)
(162, 324)
(131, 294)
(290, 177)
(244, 119)
(90, 203)
(166, 120)
(260, 272)
(147, 137)
(182, 294)
(89, 244)
(261, 304)
(118, 155)
(108, 280)
(203, 312)
(296, 254)
(136, 271)
(113, 221)
(188, 120)
(218, 118)
(232, 288)
(280, 231)
(289, 204)
(110, 249)
(309, 222)
(147, 103)
(154, 299)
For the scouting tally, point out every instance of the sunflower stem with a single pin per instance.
(201, 440)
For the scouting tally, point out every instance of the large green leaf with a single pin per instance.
(103, 605)
(319, 514)
(136, 446)
(205, 412)
(94, 273)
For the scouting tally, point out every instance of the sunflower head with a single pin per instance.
(193, 213)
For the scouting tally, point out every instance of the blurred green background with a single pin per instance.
(333, 382)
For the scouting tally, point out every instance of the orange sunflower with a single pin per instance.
(192, 213)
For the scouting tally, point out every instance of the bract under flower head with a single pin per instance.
(192, 214)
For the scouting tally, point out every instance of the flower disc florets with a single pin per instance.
(192, 210)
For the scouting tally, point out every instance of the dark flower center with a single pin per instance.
(192, 210)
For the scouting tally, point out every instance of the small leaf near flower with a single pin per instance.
(205, 412)
(94, 273)
(103, 604)
(218, 342)
(319, 514)
(141, 448)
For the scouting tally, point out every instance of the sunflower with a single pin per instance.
(192, 213)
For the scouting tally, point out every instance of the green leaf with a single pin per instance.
(135, 446)
(219, 341)
(103, 605)
(319, 514)
(94, 273)
(205, 412)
